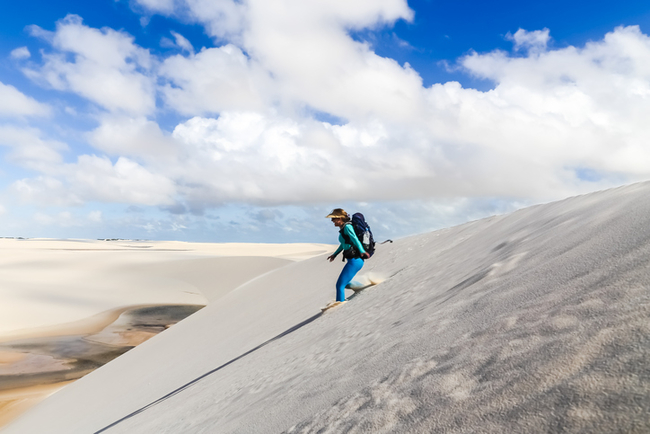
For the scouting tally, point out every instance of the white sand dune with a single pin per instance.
(83, 291)
(536, 322)
(52, 286)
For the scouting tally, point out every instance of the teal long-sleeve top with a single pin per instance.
(349, 232)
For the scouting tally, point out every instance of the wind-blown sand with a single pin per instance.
(534, 322)
(70, 306)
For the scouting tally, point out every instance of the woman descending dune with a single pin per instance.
(352, 250)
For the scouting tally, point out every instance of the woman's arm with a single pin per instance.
(333, 255)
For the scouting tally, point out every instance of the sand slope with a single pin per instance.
(537, 321)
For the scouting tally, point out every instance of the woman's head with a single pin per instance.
(338, 216)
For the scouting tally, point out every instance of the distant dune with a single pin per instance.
(533, 322)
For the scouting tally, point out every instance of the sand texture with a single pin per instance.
(533, 322)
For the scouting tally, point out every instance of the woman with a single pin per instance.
(352, 250)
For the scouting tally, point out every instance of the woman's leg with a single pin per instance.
(351, 268)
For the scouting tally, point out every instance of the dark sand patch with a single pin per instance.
(33, 368)
(86, 326)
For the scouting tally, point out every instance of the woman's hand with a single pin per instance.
(330, 258)
(365, 255)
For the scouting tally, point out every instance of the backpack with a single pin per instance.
(363, 232)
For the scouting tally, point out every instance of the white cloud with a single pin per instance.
(44, 191)
(553, 115)
(574, 107)
(214, 80)
(14, 103)
(223, 19)
(30, 150)
(240, 156)
(98, 179)
(130, 136)
(535, 41)
(182, 42)
(271, 159)
(158, 6)
(107, 67)
(179, 42)
(306, 48)
(20, 53)
(62, 218)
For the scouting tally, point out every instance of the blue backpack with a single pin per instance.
(363, 232)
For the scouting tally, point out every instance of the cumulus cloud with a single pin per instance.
(158, 6)
(343, 76)
(255, 158)
(553, 116)
(315, 62)
(107, 67)
(223, 19)
(306, 48)
(242, 156)
(214, 80)
(30, 150)
(574, 107)
(535, 41)
(97, 178)
(182, 42)
(120, 135)
(20, 53)
(45, 191)
(14, 103)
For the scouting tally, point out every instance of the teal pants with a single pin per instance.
(351, 268)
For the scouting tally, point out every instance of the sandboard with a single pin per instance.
(331, 305)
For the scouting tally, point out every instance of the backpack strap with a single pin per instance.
(345, 236)
(352, 251)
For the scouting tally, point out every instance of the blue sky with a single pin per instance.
(249, 120)
(444, 31)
